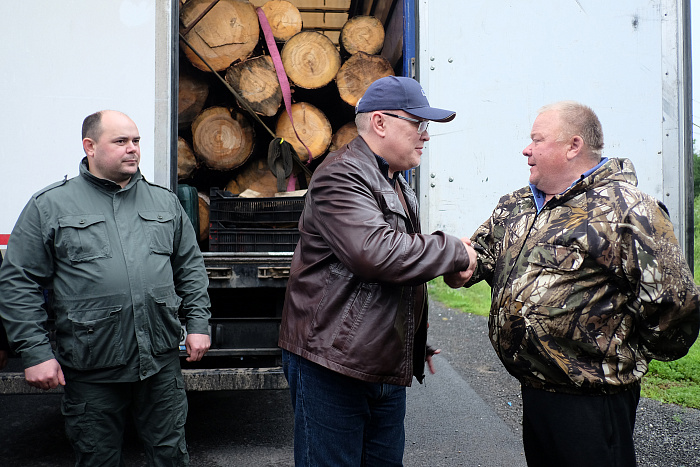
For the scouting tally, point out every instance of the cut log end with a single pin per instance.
(256, 82)
(343, 136)
(358, 72)
(310, 59)
(228, 32)
(186, 161)
(284, 19)
(222, 139)
(362, 34)
(313, 128)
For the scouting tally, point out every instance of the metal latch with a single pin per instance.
(273, 272)
(219, 273)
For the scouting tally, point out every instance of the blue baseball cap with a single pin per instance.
(401, 93)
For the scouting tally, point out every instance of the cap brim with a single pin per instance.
(432, 114)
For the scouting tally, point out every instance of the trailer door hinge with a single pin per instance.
(273, 272)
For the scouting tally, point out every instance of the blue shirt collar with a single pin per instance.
(540, 196)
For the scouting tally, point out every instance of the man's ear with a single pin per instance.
(575, 147)
(378, 124)
(89, 147)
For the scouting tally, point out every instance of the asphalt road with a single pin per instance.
(447, 424)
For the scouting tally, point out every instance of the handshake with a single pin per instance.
(459, 278)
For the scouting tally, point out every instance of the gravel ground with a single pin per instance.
(666, 435)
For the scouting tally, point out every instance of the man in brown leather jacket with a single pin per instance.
(354, 324)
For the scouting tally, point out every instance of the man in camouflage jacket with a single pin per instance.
(589, 285)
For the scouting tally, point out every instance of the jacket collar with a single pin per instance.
(618, 169)
(104, 184)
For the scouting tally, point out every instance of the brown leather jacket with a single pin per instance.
(356, 271)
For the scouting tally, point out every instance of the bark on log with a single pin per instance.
(313, 128)
(186, 162)
(362, 34)
(228, 32)
(358, 72)
(203, 216)
(256, 81)
(310, 59)
(221, 138)
(284, 19)
(191, 95)
(343, 136)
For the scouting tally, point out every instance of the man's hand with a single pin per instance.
(429, 360)
(459, 278)
(46, 375)
(196, 345)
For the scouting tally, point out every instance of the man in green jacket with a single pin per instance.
(121, 259)
(589, 285)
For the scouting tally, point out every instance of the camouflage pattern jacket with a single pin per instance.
(590, 289)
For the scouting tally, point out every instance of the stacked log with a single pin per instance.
(310, 59)
(284, 19)
(311, 125)
(256, 82)
(226, 33)
(358, 72)
(224, 140)
(362, 34)
(186, 161)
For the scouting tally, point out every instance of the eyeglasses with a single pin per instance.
(422, 124)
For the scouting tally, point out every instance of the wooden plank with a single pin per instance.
(313, 5)
(330, 21)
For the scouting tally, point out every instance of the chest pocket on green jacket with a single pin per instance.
(82, 238)
(160, 229)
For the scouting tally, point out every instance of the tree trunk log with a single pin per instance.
(256, 176)
(256, 81)
(186, 162)
(228, 32)
(310, 59)
(343, 136)
(362, 34)
(203, 216)
(284, 19)
(223, 139)
(191, 95)
(312, 126)
(358, 72)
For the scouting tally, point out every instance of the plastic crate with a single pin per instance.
(229, 211)
(222, 239)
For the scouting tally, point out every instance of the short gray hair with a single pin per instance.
(581, 120)
(362, 121)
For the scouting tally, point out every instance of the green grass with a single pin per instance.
(677, 382)
(475, 300)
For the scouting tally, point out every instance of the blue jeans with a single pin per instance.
(342, 421)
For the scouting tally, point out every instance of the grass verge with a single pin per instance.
(676, 382)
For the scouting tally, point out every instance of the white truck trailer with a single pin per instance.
(493, 61)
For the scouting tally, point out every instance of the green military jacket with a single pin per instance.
(590, 289)
(122, 265)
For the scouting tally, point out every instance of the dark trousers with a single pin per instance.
(579, 430)
(341, 421)
(96, 415)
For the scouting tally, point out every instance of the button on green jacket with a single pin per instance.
(123, 264)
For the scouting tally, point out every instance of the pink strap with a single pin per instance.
(281, 75)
